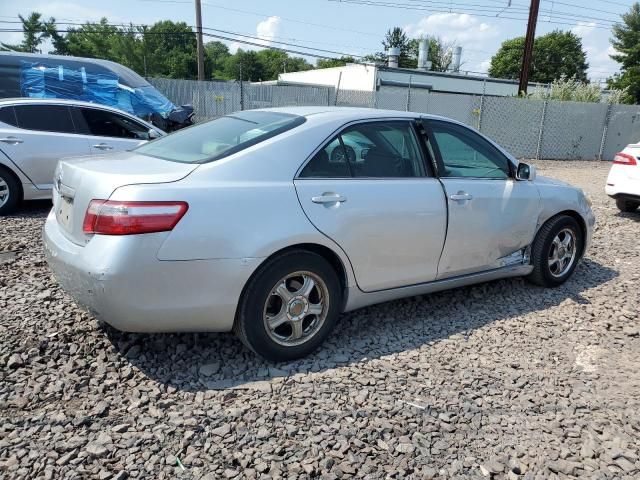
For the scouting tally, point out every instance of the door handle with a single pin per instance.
(103, 146)
(461, 196)
(11, 140)
(328, 197)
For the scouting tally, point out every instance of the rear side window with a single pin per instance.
(8, 116)
(46, 118)
(221, 137)
(103, 123)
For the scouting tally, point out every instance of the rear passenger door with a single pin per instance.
(370, 190)
(109, 131)
(36, 137)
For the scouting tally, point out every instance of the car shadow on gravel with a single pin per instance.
(630, 215)
(201, 361)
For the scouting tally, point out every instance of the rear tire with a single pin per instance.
(289, 306)
(626, 205)
(555, 251)
(9, 192)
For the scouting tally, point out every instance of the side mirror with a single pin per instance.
(526, 172)
(153, 134)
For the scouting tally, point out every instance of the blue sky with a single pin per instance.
(357, 28)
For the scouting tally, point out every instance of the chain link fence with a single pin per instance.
(531, 129)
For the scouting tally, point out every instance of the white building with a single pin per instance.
(370, 77)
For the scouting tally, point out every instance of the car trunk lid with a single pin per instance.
(78, 181)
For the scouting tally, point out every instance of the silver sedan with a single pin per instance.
(249, 223)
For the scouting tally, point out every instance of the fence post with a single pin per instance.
(484, 89)
(408, 95)
(542, 118)
(338, 88)
(605, 128)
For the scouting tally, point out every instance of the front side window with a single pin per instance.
(103, 123)
(370, 150)
(45, 118)
(466, 154)
(221, 137)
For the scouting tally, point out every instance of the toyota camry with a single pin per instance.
(252, 223)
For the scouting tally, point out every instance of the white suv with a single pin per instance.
(37, 132)
(623, 182)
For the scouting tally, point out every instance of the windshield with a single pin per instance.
(221, 137)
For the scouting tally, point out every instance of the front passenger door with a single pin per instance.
(491, 214)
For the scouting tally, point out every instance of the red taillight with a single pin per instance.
(112, 217)
(624, 159)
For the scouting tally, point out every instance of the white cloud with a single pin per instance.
(472, 34)
(584, 29)
(453, 27)
(267, 30)
(595, 43)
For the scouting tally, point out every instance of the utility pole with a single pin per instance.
(199, 41)
(528, 47)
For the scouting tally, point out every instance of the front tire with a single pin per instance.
(555, 251)
(9, 192)
(626, 205)
(289, 306)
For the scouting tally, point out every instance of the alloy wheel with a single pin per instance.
(4, 192)
(296, 308)
(562, 253)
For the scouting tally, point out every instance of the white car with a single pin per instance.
(623, 182)
(37, 132)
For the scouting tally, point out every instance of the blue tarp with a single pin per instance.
(42, 80)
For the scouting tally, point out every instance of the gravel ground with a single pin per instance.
(502, 380)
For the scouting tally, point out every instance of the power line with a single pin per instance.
(425, 9)
(259, 14)
(230, 39)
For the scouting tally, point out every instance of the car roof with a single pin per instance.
(52, 101)
(351, 113)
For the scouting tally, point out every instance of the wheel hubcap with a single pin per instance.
(562, 253)
(296, 308)
(4, 192)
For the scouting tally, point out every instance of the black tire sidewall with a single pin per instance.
(627, 206)
(14, 192)
(561, 223)
(254, 331)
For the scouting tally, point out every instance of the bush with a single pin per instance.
(570, 89)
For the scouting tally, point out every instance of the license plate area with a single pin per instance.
(64, 212)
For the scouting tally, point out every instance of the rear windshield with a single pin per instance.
(220, 137)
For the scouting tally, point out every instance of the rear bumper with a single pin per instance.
(623, 182)
(120, 281)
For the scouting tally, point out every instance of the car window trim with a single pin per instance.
(440, 163)
(338, 133)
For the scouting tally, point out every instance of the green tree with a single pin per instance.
(334, 62)
(556, 55)
(33, 28)
(217, 54)
(92, 40)
(396, 37)
(245, 61)
(275, 62)
(626, 41)
(440, 53)
(171, 50)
